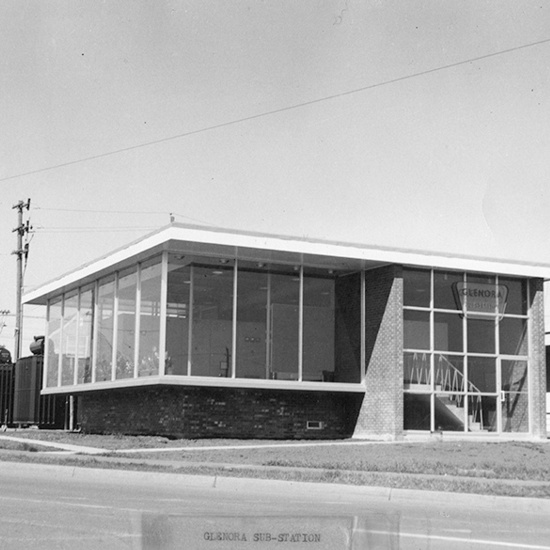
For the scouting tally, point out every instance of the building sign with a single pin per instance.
(477, 300)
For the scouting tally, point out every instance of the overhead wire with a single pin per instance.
(140, 212)
(275, 111)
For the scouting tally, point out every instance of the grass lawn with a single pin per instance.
(502, 468)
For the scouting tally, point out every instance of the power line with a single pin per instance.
(275, 111)
(94, 229)
(99, 211)
(121, 212)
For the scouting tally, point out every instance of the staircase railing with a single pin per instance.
(449, 378)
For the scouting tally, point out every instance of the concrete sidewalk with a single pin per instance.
(63, 446)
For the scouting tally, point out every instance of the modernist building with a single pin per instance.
(197, 332)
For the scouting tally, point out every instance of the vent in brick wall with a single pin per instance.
(315, 425)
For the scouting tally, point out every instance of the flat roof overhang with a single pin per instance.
(203, 381)
(258, 247)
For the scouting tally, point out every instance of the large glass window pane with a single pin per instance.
(347, 296)
(416, 287)
(516, 302)
(482, 375)
(68, 343)
(105, 322)
(417, 371)
(284, 317)
(448, 332)
(318, 358)
(513, 336)
(416, 329)
(445, 289)
(481, 335)
(480, 295)
(449, 373)
(54, 342)
(85, 336)
(449, 412)
(482, 413)
(177, 316)
(126, 323)
(252, 292)
(515, 412)
(212, 330)
(149, 318)
(417, 411)
(514, 376)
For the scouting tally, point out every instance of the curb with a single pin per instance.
(296, 489)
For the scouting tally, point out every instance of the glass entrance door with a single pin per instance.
(514, 396)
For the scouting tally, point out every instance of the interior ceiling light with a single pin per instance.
(217, 272)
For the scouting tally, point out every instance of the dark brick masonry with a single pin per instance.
(193, 412)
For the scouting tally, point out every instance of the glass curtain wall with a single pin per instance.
(465, 352)
(277, 327)
(219, 319)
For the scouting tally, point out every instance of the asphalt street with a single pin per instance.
(58, 507)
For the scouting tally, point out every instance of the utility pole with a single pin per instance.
(22, 251)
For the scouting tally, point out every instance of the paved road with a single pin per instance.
(58, 507)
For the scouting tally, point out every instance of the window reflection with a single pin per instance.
(68, 348)
(252, 318)
(318, 333)
(103, 363)
(85, 336)
(513, 336)
(417, 329)
(126, 324)
(448, 332)
(149, 318)
(54, 341)
(284, 312)
(416, 287)
(212, 321)
(177, 316)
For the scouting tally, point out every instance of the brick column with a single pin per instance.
(381, 414)
(537, 366)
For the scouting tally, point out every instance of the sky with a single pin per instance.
(415, 124)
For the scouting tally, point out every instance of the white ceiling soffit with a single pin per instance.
(192, 239)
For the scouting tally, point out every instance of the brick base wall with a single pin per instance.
(219, 412)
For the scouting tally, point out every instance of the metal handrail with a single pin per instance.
(456, 382)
